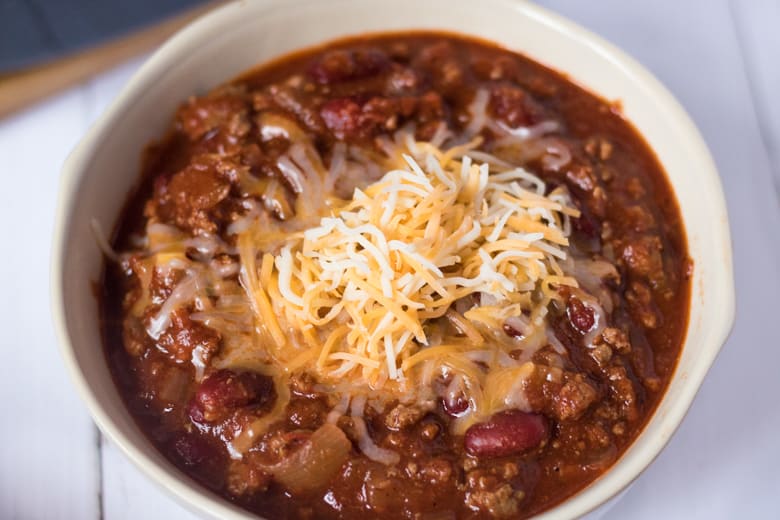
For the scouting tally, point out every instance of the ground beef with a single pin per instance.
(610, 345)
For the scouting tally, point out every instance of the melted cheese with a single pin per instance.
(408, 282)
(362, 287)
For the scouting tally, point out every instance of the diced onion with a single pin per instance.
(555, 342)
(531, 132)
(365, 442)
(556, 154)
(314, 464)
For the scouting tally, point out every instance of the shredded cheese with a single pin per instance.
(412, 278)
(367, 281)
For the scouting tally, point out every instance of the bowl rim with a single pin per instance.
(197, 498)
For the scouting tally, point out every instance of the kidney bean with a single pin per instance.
(580, 315)
(224, 391)
(512, 332)
(346, 65)
(506, 433)
(342, 116)
(455, 405)
(346, 118)
(194, 450)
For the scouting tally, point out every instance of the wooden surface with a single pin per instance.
(719, 58)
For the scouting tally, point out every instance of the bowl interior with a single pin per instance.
(103, 169)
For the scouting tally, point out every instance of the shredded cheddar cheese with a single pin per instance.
(355, 297)
(432, 282)
(389, 294)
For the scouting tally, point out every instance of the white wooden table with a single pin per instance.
(720, 58)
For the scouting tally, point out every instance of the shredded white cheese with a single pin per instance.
(412, 277)
(435, 229)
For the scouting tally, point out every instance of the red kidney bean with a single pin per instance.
(455, 405)
(342, 116)
(348, 119)
(342, 65)
(580, 315)
(512, 332)
(195, 450)
(506, 433)
(224, 391)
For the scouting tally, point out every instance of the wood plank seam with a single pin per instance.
(755, 99)
(99, 448)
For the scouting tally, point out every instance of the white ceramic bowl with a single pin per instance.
(101, 170)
